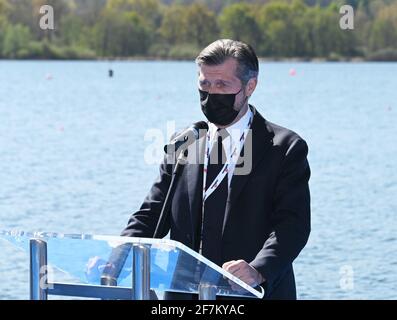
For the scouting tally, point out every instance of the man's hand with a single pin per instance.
(95, 268)
(242, 270)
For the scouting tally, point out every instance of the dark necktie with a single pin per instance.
(215, 205)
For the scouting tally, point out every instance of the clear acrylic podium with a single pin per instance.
(106, 267)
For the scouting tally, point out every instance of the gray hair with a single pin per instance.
(221, 50)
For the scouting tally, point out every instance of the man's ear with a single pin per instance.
(251, 86)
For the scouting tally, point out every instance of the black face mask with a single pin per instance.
(219, 108)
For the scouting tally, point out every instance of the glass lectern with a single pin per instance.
(107, 267)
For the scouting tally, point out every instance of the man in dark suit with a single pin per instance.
(254, 222)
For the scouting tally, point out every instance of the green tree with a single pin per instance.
(323, 32)
(384, 29)
(123, 34)
(71, 30)
(16, 39)
(173, 27)
(20, 12)
(148, 10)
(201, 25)
(186, 29)
(276, 25)
(291, 29)
(300, 28)
(4, 7)
(88, 10)
(238, 22)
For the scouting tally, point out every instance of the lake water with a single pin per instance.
(72, 146)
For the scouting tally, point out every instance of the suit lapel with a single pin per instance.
(261, 141)
(194, 175)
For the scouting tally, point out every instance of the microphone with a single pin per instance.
(186, 138)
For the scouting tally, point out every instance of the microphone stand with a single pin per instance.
(117, 259)
(165, 211)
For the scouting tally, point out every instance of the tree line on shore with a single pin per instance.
(172, 29)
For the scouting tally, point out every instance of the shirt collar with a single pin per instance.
(235, 130)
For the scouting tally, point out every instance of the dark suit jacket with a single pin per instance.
(267, 218)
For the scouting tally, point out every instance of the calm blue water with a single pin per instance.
(72, 158)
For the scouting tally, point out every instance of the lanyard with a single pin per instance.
(222, 174)
(233, 158)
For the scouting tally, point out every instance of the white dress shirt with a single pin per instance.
(233, 140)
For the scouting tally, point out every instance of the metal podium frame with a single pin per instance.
(40, 288)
